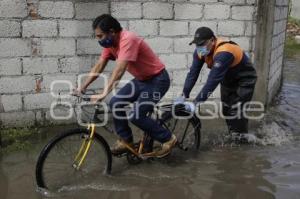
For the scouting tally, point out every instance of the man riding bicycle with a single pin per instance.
(151, 82)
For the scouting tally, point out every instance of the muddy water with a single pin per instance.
(268, 170)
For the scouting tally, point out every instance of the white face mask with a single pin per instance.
(202, 51)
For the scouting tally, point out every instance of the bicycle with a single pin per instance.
(76, 152)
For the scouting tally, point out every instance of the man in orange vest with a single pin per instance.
(229, 66)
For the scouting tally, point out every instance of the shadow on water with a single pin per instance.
(217, 172)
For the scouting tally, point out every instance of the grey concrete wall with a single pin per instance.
(269, 52)
(42, 41)
(277, 52)
(295, 9)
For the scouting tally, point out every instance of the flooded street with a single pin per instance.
(261, 171)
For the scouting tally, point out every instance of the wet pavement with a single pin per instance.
(270, 169)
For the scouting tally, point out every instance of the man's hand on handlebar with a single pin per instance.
(98, 97)
(89, 97)
(78, 92)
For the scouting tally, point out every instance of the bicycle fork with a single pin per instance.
(84, 148)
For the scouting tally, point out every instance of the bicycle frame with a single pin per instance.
(86, 144)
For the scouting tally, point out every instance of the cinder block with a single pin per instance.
(90, 10)
(57, 47)
(57, 9)
(60, 112)
(181, 45)
(173, 28)
(17, 84)
(243, 12)
(88, 46)
(75, 28)
(197, 24)
(10, 66)
(234, 2)
(251, 2)
(216, 11)
(40, 65)
(204, 1)
(76, 64)
(124, 10)
(10, 28)
(39, 28)
(18, 119)
(13, 8)
(70, 80)
(244, 42)
(188, 11)
(231, 28)
(174, 61)
(157, 10)
(282, 2)
(144, 27)
(14, 47)
(180, 76)
(39, 118)
(11, 102)
(38, 101)
(250, 28)
(160, 44)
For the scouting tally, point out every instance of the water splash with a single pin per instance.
(95, 186)
(273, 134)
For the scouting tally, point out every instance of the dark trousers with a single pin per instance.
(233, 101)
(144, 95)
(236, 90)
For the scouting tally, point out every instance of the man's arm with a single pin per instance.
(116, 75)
(193, 75)
(222, 62)
(93, 74)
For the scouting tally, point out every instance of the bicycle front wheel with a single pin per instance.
(55, 168)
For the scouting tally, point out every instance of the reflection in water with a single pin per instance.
(240, 172)
(3, 181)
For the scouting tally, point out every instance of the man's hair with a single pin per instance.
(106, 22)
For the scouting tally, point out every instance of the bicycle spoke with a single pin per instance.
(58, 169)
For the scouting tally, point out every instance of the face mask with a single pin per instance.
(107, 42)
(202, 51)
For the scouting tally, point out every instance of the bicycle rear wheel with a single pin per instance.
(55, 170)
(187, 131)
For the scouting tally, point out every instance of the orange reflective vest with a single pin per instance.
(225, 46)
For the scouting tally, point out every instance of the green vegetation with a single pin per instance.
(294, 21)
(15, 139)
(291, 46)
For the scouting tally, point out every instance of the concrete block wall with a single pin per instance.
(46, 40)
(277, 52)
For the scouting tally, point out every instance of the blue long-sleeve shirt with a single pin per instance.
(221, 64)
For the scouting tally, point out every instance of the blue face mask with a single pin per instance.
(202, 50)
(107, 42)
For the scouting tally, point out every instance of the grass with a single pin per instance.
(291, 46)
(294, 21)
(15, 139)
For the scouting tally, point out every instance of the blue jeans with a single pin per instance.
(144, 95)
